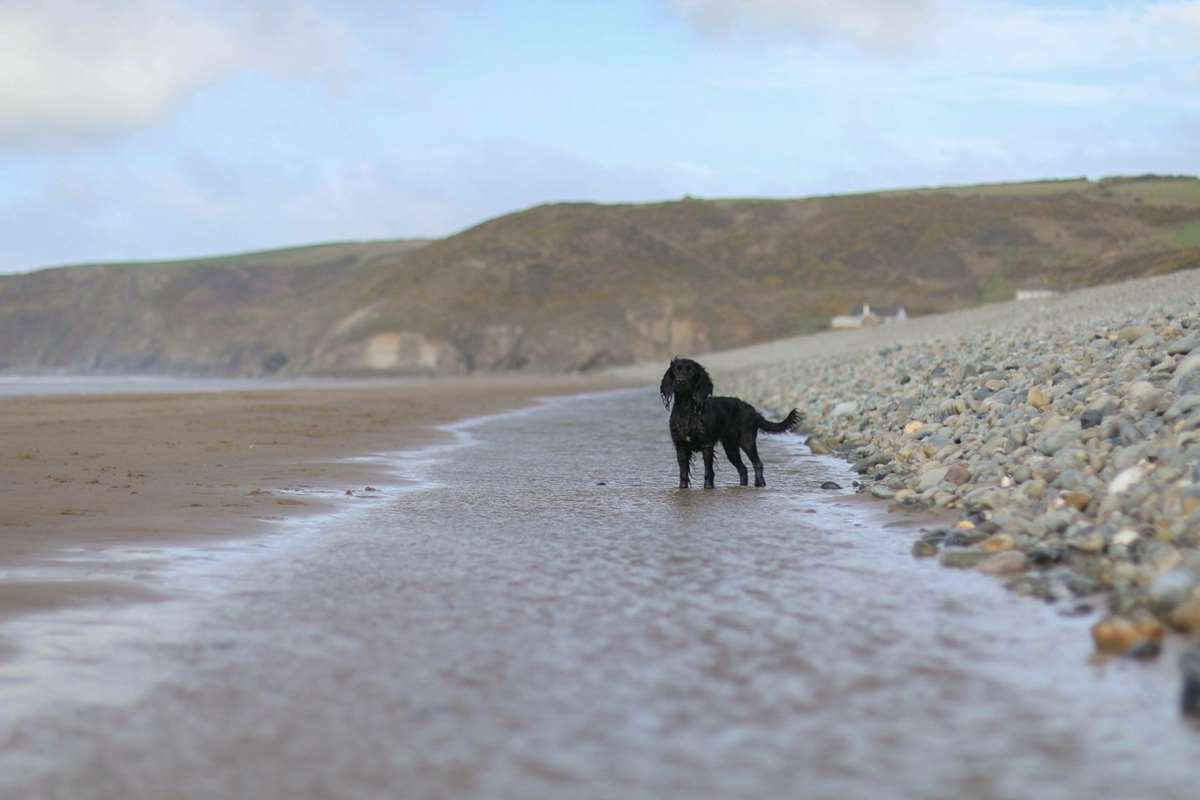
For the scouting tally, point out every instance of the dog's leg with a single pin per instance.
(685, 466)
(735, 458)
(710, 475)
(752, 451)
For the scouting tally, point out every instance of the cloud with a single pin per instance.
(877, 25)
(976, 36)
(1002, 54)
(75, 69)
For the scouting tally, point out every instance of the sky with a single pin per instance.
(147, 129)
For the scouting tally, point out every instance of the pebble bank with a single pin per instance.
(1061, 436)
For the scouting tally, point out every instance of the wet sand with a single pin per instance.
(532, 616)
(93, 471)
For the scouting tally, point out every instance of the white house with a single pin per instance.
(1034, 294)
(865, 316)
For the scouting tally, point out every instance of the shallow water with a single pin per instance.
(534, 611)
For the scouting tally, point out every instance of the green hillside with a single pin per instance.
(582, 286)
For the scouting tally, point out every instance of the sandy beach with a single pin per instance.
(91, 471)
(546, 615)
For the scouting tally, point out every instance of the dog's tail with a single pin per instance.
(783, 426)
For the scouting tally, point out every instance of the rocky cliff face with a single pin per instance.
(583, 286)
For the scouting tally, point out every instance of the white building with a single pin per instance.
(1034, 294)
(865, 316)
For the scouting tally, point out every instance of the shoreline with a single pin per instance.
(1062, 434)
(89, 473)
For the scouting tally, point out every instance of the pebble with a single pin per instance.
(1004, 563)
(1172, 588)
(1119, 635)
(846, 409)
(924, 549)
(1077, 500)
(1144, 395)
(931, 478)
(1186, 616)
(1089, 541)
(818, 446)
(963, 557)
(958, 474)
(1183, 345)
(1037, 398)
(997, 542)
(1126, 478)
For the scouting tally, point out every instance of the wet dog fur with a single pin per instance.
(699, 421)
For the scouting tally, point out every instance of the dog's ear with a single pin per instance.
(702, 386)
(667, 387)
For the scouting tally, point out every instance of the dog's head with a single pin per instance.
(686, 379)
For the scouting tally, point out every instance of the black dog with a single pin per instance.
(699, 421)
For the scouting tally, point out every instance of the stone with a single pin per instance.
(1089, 541)
(1125, 479)
(965, 537)
(1143, 395)
(1172, 588)
(1044, 554)
(1134, 332)
(882, 492)
(1077, 500)
(1057, 519)
(1038, 398)
(1119, 635)
(847, 408)
(924, 549)
(1183, 345)
(986, 497)
(962, 557)
(1007, 562)
(1081, 585)
(958, 474)
(1186, 616)
(1125, 537)
(1091, 418)
(914, 427)
(997, 542)
(819, 446)
(1186, 374)
(1060, 437)
(1182, 407)
(1160, 557)
(931, 478)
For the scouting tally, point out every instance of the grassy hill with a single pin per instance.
(582, 286)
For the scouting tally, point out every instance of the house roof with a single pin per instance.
(879, 311)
